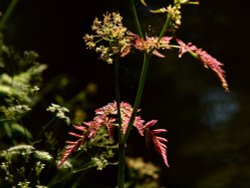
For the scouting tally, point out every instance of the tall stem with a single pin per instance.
(7, 14)
(121, 149)
(143, 76)
(122, 141)
(121, 165)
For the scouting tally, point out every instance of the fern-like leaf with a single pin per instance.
(159, 142)
(73, 145)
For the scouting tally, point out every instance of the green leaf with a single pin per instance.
(16, 129)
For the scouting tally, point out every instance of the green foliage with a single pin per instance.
(24, 166)
(14, 130)
(20, 82)
(99, 151)
(20, 79)
(104, 149)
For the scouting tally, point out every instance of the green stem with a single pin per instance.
(122, 145)
(121, 149)
(7, 14)
(143, 76)
(137, 22)
(121, 165)
(165, 27)
(123, 140)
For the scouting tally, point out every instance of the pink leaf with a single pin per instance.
(75, 135)
(70, 149)
(73, 145)
(150, 123)
(159, 142)
(157, 131)
(207, 60)
(160, 147)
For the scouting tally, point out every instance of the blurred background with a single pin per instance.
(208, 129)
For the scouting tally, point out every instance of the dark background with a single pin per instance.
(208, 129)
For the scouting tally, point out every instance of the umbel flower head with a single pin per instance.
(173, 12)
(110, 37)
(105, 117)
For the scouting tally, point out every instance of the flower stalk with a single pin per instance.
(146, 60)
(122, 143)
(137, 22)
(138, 97)
(123, 139)
(165, 26)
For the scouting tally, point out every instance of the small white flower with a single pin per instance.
(60, 112)
(43, 155)
(101, 162)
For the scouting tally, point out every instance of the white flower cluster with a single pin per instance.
(60, 112)
(100, 162)
(43, 155)
(22, 148)
(12, 112)
(24, 184)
